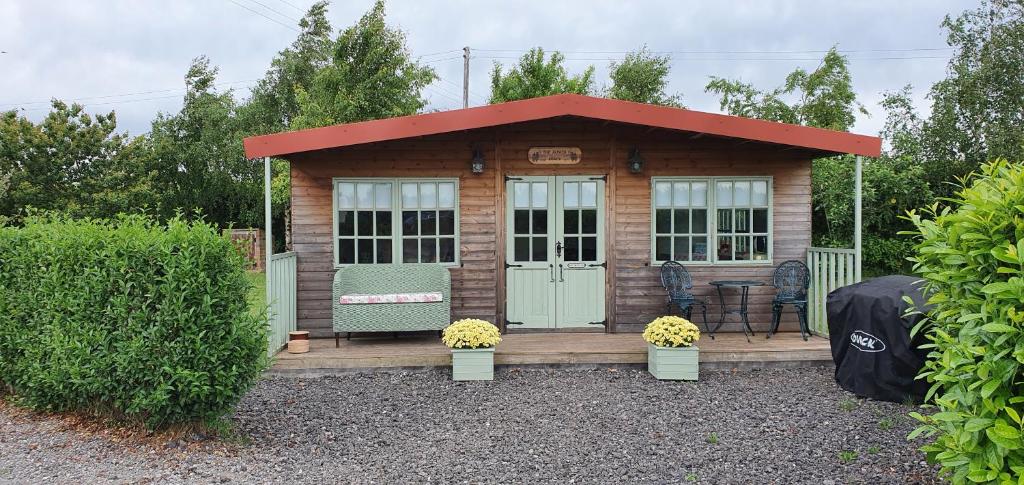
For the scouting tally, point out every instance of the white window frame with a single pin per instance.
(396, 216)
(712, 207)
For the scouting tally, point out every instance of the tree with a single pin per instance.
(534, 77)
(978, 110)
(371, 75)
(642, 77)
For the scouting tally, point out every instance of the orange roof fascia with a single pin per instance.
(282, 144)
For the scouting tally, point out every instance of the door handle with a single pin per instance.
(552, 268)
(558, 249)
(561, 273)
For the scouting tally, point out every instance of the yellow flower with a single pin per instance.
(671, 331)
(471, 333)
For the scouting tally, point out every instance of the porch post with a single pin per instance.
(267, 231)
(857, 219)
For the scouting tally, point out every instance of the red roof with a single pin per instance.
(348, 134)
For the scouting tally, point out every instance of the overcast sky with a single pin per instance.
(131, 55)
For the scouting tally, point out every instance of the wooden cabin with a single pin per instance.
(555, 212)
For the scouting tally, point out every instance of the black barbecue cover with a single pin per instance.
(870, 336)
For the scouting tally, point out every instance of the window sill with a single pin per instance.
(765, 262)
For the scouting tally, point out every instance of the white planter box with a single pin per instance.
(673, 363)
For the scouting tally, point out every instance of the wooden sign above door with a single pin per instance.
(555, 155)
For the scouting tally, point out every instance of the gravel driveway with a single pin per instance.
(534, 426)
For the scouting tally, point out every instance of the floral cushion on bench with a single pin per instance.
(428, 297)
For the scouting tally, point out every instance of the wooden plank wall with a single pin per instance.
(634, 294)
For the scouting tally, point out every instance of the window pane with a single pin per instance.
(346, 251)
(760, 193)
(572, 194)
(682, 221)
(698, 194)
(540, 249)
(428, 196)
(663, 221)
(741, 194)
(700, 249)
(662, 194)
(760, 220)
(571, 224)
(742, 248)
(588, 194)
(663, 248)
(522, 194)
(540, 194)
(588, 251)
(540, 221)
(365, 251)
(383, 223)
(410, 223)
(760, 248)
(384, 251)
(681, 194)
(428, 250)
(724, 248)
(522, 221)
(446, 195)
(410, 250)
(364, 196)
(383, 193)
(723, 194)
(742, 220)
(446, 222)
(346, 223)
(681, 250)
(522, 248)
(428, 223)
(446, 253)
(588, 222)
(364, 223)
(700, 221)
(724, 220)
(409, 196)
(572, 249)
(346, 196)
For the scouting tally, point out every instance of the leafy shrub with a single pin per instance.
(471, 333)
(971, 255)
(126, 319)
(671, 331)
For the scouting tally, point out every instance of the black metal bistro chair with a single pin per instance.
(792, 278)
(677, 283)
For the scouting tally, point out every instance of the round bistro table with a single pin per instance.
(741, 310)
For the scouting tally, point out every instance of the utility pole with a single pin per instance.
(465, 77)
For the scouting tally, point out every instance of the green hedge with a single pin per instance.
(971, 253)
(127, 319)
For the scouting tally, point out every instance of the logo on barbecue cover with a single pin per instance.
(865, 342)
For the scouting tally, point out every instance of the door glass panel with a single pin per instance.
(346, 196)
(681, 194)
(572, 249)
(760, 220)
(572, 194)
(725, 248)
(428, 223)
(410, 199)
(522, 194)
(700, 221)
(589, 221)
(742, 220)
(383, 193)
(346, 223)
(662, 194)
(681, 251)
(365, 251)
(446, 253)
(384, 250)
(522, 248)
(540, 221)
(663, 221)
(410, 251)
(760, 193)
(571, 224)
(723, 194)
(522, 221)
(347, 251)
(588, 194)
(663, 248)
(446, 222)
(741, 193)
(410, 223)
(700, 248)
(428, 196)
(428, 250)
(588, 251)
(682, 221)
(364, 196)
(698, 194)
(540, 194)
(446, 195)
(540, 249)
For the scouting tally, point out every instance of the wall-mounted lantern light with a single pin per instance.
(635, 162)
(477, 165)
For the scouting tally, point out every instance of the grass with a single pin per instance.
(258, 293)
(691, 477)
(874, 449)
(848, 404)
(886, 423)
(713, 438)
(847, 456)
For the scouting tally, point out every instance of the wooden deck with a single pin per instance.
(726, 351)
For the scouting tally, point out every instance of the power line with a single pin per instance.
(439, 52)
(888, 58)
(261, 14)
(292, 5)
(121, 95)
(257, 2)
(916, 49)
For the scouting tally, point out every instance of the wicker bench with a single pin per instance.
(391, 298)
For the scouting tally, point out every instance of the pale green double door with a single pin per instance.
(555, 251)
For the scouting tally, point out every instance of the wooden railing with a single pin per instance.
(281, 298)
(831, 268)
